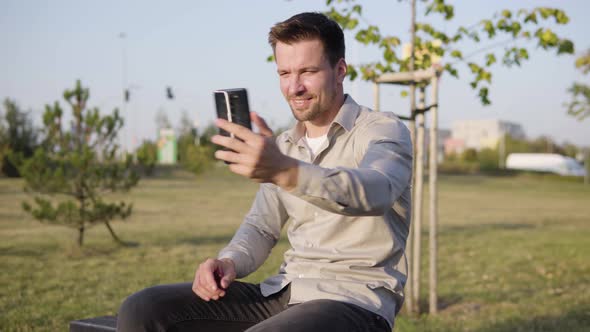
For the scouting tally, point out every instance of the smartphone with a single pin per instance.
(232, 105)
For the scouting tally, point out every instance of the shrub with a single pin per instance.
(147, 156)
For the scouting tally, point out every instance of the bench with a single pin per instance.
(96, 324)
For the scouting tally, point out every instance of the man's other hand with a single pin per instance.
(213, 277)
(256, 156)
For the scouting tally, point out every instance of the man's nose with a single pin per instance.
(296, 86)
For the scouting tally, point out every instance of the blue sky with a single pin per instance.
(199, 46)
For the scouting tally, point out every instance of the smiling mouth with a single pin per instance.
(301, 102)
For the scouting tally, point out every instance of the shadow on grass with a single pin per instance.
(206, 239)
(447, 303)
(477, 228)
(26, 252)
(577, 319)
(444, 302)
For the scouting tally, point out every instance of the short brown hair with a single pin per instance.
(306, 26)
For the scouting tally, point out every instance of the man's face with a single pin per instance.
(309, 83)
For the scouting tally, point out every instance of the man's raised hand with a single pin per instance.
(256, 156)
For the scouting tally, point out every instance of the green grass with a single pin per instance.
(513, 253)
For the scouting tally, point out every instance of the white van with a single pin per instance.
(545, 162)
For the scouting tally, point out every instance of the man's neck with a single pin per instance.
(321, 125)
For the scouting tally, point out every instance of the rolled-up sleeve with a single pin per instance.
(258, 233)
(384, 151)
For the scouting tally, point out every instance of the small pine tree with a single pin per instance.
(76, 166)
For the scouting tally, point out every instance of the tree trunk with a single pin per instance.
(411, 301)
(433, 179)
(418, 203)
(115, 237)
(80, 236)
(409, 288)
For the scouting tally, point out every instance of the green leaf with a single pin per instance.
(532, 17)
(439, 6)
(547, 38)
(490, 59)
(506, 13)
(368, 72)
(357, 9)
(451, 70)
(516, 27)
(487, 76)
(352, 23)
(545, 12)
(488, 26)
(565, 46)
(351, 72)
(561, 17)
(449, 12)
(390, 42)
(483, 95)
(389, 55)
(368, 35)
(457, 54)
(583, 62)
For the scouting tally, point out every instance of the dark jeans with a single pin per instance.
(176, 308)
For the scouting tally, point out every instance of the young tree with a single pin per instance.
(76, 166)
(461, 47)
(474, 46)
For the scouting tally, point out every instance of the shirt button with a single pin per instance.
(301, 276)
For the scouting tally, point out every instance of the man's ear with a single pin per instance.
(341, 70)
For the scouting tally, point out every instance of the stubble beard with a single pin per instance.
(314, 111)
(309, 114)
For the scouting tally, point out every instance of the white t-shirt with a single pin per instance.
(315, 143)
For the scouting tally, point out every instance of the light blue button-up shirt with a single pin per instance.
(349, 213)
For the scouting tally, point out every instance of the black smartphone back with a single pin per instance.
(232, 105)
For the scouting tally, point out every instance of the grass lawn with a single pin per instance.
(514, 253)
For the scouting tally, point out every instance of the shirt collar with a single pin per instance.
(345, 118)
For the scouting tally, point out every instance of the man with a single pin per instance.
(342, 175)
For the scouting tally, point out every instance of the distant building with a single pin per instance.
(480, 134)
(167, 147)
(454, 145)
(442, 137)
